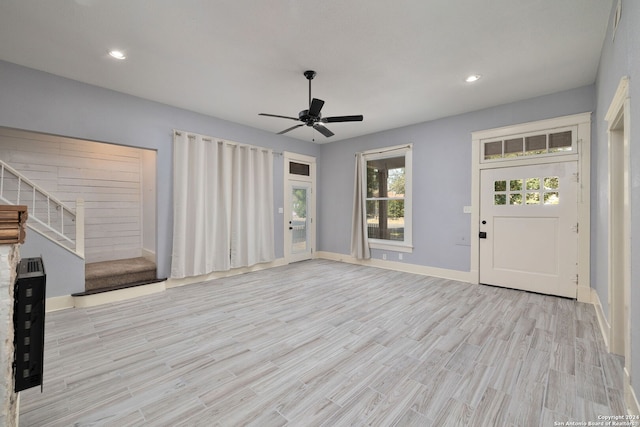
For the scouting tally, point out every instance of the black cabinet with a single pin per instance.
(28, 320)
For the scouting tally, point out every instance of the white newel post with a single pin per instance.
(80, 227)
(12, 220)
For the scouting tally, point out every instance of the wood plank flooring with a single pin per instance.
(322, 343)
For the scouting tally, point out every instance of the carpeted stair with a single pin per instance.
(118, 274)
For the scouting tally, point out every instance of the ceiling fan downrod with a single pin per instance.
(309, 74)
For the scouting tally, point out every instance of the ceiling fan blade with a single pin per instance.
(275, 115)
(291, 128)
(338, 119)
(323, 130)
(315, 107)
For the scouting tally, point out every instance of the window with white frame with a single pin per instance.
(389, 198)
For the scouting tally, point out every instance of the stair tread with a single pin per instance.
(118, 267)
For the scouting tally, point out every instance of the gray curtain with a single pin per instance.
(359, 240)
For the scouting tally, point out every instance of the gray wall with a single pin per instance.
(42, 102)
(64, 270)
(441, 177)
(620, 57)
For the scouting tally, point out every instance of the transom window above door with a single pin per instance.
(552, 143)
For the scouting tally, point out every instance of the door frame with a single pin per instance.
(582, 122)
(619, 226)
(292, 178)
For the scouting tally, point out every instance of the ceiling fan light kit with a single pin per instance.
(312, 117)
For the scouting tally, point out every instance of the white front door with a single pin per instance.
(528, 228)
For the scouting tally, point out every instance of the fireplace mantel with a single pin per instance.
(13, 220)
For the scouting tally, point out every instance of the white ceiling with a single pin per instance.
(396, 62)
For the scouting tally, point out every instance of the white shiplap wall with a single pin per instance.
(107, 176)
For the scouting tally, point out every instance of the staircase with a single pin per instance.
(47, 215)
(51, 218)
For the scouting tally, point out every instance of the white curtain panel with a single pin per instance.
(206, 206)
(359, 233)
(252, 207)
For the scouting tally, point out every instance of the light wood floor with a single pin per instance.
(326, 343)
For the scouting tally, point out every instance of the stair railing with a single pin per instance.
(47, 215)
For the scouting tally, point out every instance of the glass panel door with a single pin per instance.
(299, 223)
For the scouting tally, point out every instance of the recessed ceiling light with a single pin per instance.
(117, 54)
(473, 78)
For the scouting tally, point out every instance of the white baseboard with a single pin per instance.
(630, 397)
(605, 328)
(148, 255)
(68, 301)
(461, 276)
(174, 283)
(118, 295)
(58, 303)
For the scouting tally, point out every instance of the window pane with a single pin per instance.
(551, 183)
(385, 219)
(560, 141)
(298, 169)
(500, 186)
(299, 219)
(533, 198)
(493, 150)
(500, 199)
(533, 183)
(535, 144)
(515, 199)
(513, 147)
(385, 177)
(515, 185)
(551, 198)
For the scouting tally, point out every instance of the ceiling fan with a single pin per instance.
(312, 117)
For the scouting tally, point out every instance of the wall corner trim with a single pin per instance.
(605, 328)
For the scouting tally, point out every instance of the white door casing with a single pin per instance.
(619, 225)
(580, 124)
(529, 223)
(299, 207)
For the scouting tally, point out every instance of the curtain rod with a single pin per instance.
(211, 139)
(384, 151)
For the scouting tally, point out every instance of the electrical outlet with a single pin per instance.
(384, 257)
(400, 257)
